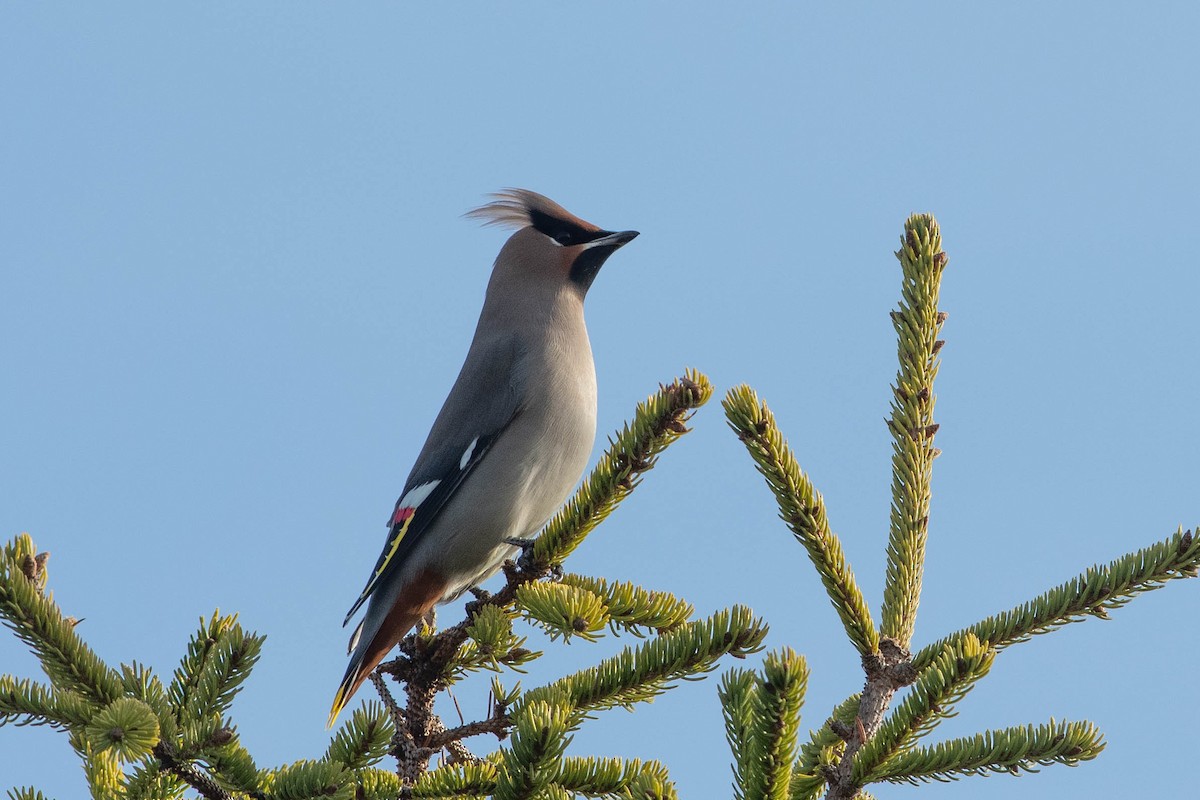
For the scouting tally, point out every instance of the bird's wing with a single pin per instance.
(485, 400)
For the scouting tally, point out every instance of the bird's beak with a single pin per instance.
(592, 255)
(613, 240)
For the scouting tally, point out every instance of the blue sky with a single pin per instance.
(236, 286)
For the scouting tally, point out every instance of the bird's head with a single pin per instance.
(551, 244)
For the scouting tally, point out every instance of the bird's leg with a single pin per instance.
(430, 618)
(523, 543)
(482, 598)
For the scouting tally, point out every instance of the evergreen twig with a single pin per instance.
(39, 623)
(27, 703)
(823, 749)
(1009, 750)
(540, 737)
(762, 720)
(918, 323)
(801, 507)
(638, 675)
(206, 786)
(457, 780)
(933, 697)
(736, 693)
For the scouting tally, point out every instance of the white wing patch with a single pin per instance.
(355, 637)
(416, 495)
(466, 456)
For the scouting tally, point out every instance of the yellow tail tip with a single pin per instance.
(339, 703)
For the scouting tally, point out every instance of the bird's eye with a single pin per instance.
(563, 237)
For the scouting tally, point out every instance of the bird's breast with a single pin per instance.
(531, 469)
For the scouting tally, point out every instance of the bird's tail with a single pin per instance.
(369, 647)
(350, 683)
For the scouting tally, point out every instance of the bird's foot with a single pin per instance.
(525, 561)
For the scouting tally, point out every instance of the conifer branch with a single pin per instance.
(185, 771)
(364, 739)
(780, 697)
(918, 323)
(26, 793)
(150, 781)
(637, 675)
(497, 725)
(1009, 750)
(887, 671)
(101, 770)
(613, 777)
(140, 682)
(563, 610)
(38, 622)
(305, 780)
(111, 717)
(458, 780)
(630, 606)
(1093, 593)
(539, 740)
(490, 645)
(126, 728)
(933, 696)
(378, 784)
(762, 721)
(27, 703)
(736, 693)
(801, 507)
(823, 749)
(219, 659)
(228, 760)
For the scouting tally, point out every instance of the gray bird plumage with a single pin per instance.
(512, 438)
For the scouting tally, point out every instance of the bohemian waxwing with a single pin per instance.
(512, 438)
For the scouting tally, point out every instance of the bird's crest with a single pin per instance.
(519, 208)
